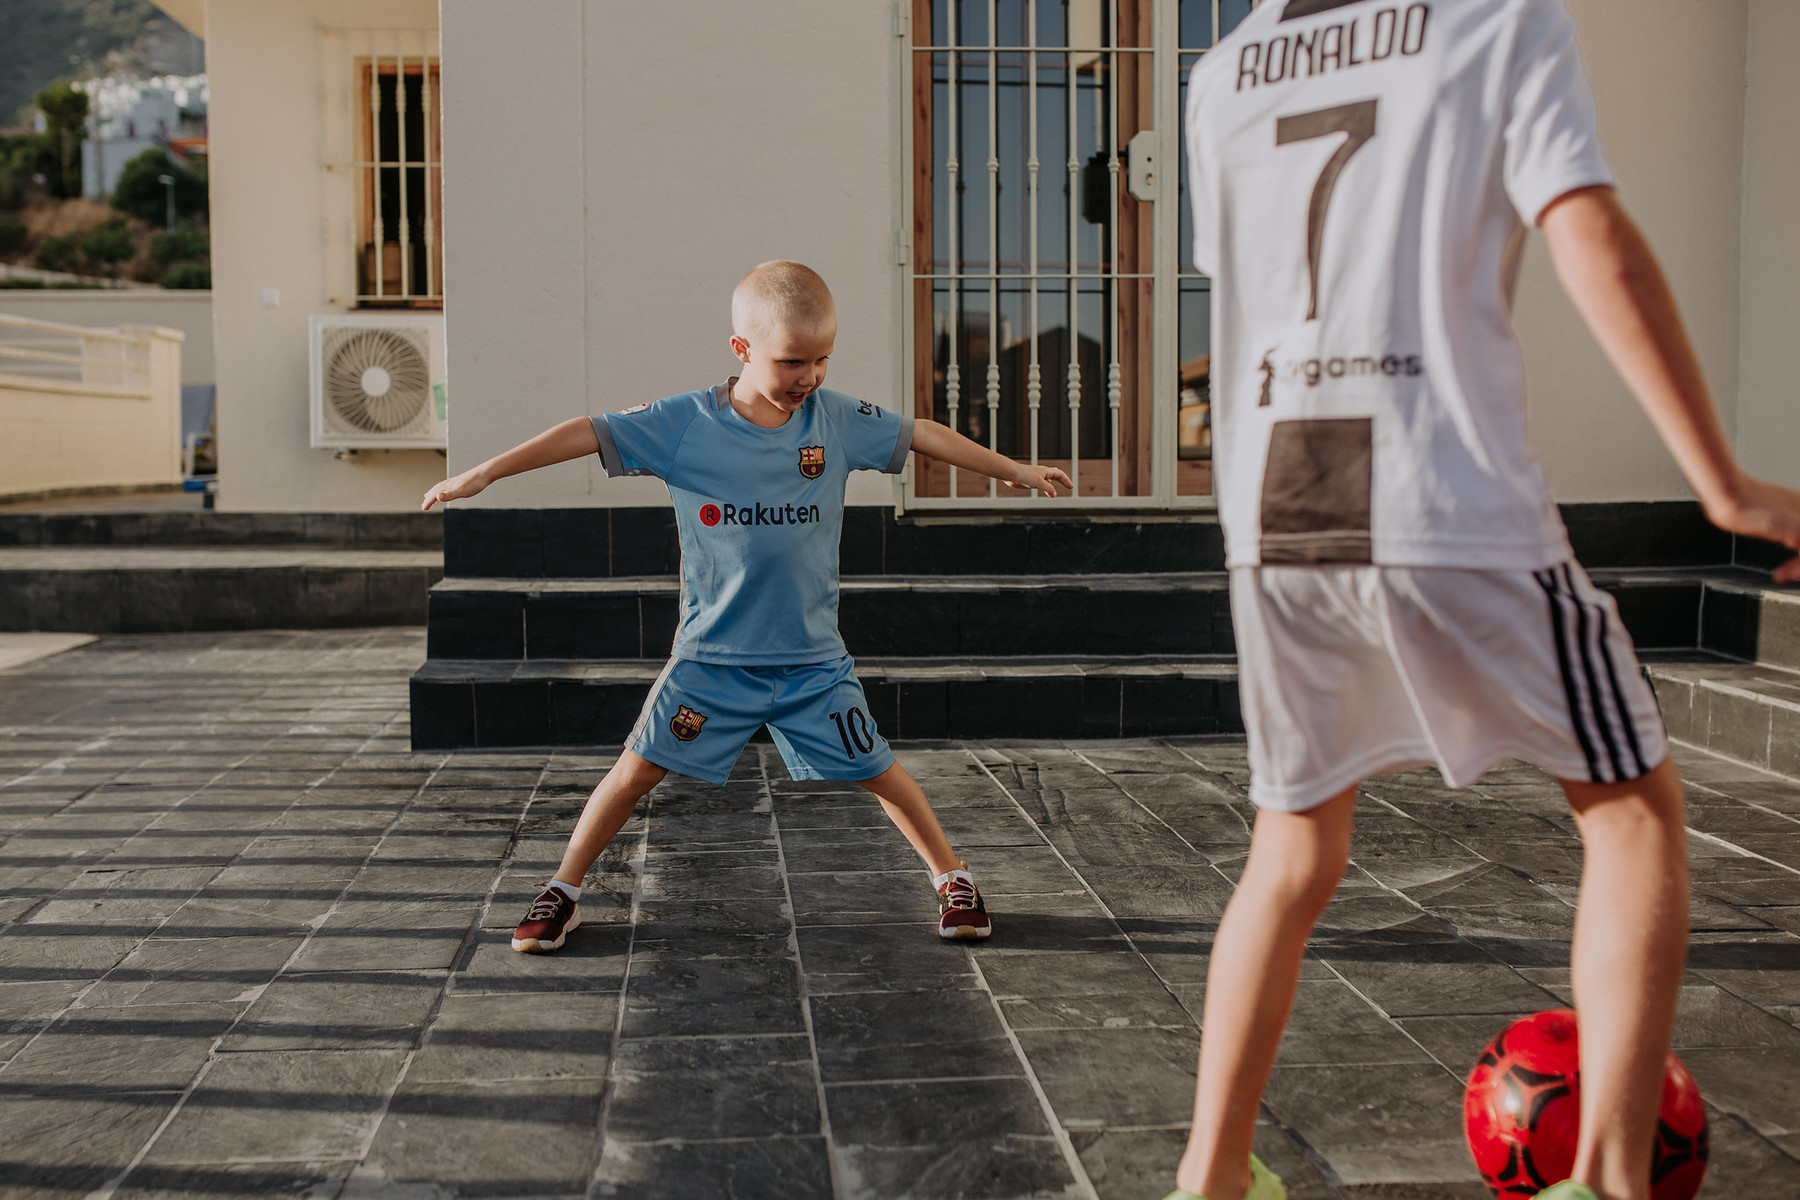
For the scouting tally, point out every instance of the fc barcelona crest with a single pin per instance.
(812, 461)
(686, 723)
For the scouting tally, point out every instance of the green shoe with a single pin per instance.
(1568, 1189)
(1266, 1185)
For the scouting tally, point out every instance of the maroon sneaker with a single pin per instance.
(551, 917)
(961, 911)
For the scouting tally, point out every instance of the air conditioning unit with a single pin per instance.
(377, 382)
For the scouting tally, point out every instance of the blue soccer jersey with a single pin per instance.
(760, 513)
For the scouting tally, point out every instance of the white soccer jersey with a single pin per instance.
(1360, 171)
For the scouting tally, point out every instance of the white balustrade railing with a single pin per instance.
(74, 357)
(84, 408)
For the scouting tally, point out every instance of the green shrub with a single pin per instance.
(188, 275)
(184, 243)
(12, 234)
(140, 194)
(28, 165)
(60, 253)
(17, 159)
(108, 244)
(15, 282)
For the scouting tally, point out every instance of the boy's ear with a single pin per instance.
(741, 348)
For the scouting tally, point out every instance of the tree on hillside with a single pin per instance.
(18, 163)
(65, 128)
(141, 193)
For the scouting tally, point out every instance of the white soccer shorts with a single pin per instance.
(1350, 671)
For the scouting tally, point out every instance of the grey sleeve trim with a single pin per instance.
(902, 445)
(609, 452)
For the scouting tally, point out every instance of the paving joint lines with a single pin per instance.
(209, 837)
(639, 854)
(106, 1192)
(469, 936)
(833, 1168)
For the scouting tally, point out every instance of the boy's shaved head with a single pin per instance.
(780, 295)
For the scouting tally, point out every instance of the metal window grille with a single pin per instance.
(384, 167)
(1049, 314)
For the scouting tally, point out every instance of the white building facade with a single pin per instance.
(991, 187)
(129, 116)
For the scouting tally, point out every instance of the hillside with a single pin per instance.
(42, 41)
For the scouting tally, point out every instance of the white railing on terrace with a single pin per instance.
(44, 354)
(84, 408)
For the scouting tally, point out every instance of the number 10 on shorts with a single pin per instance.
(854, 727)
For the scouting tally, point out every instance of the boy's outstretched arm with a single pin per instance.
(948, 446)
(574, 438)
(1613, 277)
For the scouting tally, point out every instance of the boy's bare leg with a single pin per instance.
(904, 802)
(606, 812)
(1630, 940)
(1296, 860)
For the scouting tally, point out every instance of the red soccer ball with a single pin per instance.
(1522, 1108)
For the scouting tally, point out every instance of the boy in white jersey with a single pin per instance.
(756, 467)
(1362, 172)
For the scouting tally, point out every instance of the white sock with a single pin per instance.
(572, 891)
(938, 881)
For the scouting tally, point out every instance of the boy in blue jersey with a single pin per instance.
(756, 468)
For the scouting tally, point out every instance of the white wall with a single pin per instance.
(190, 312)
(1768, 426)
(1668, 77)
(621, 195)
(268, 217)
(689, 171)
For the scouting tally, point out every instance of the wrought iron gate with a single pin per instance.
(1049, 313)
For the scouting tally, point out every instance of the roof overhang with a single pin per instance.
(189, 14)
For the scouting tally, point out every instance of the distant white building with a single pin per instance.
(128, 116)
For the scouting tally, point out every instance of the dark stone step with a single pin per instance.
(886, 615)
(539, 543)
(482, 703)
(209, 528)
(1117, 655)
(1746, 617)
(879, 616)
(148, 589)
(592, 543)
(1746, 711)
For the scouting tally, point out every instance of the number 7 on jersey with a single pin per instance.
(1357, 122)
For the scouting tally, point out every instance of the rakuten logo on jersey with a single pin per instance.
(759, 514)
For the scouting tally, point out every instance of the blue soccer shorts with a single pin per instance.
(699, 716)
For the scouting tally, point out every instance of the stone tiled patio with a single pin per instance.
(250, 944)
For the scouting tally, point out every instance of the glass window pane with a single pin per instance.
(1196, 24)
(1231, 12)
